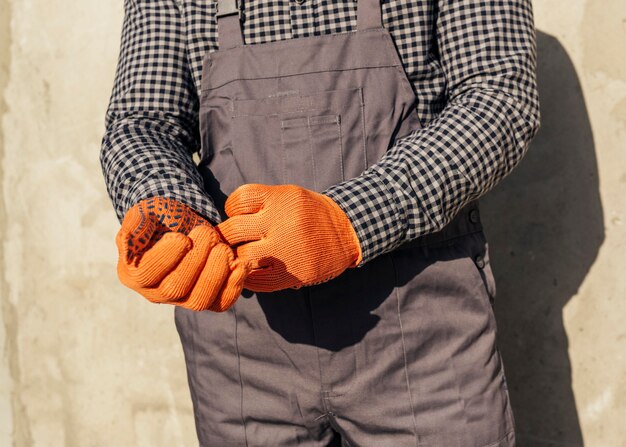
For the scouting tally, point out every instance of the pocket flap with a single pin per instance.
(297, 102)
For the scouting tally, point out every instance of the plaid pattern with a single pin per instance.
(471, 63)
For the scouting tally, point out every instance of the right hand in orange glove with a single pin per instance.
(170, 254)
(291, 236)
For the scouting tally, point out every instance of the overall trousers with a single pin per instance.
(399, 352)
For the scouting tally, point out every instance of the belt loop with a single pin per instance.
(369, 15)
(229, 31)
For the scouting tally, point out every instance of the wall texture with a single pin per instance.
(85, 362)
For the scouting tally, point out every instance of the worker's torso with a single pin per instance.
(411, 24)
(399, 352)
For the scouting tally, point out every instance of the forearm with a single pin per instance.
(152, 118)
(491, 115)
(423, 181)
(144, 156)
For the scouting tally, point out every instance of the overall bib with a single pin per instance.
(399, 352)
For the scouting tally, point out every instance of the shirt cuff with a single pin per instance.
(375, 213)
(191, 196)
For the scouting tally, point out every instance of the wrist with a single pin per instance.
(348, 232)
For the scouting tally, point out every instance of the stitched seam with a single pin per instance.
(494, 444)
(363, 131)
(243, 422)
(280, 76)
(194, 362)
(291, 41)
(278, 109)
(307, 296)
(284, 154)
(341, 149)
(311, 95)
(310, 133)
(399, 68)
(406, 370)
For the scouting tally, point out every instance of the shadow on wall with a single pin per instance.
(544, 225)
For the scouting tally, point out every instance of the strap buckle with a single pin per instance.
(228, 8)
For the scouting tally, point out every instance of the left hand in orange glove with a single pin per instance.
(291, 236)
(170, 254)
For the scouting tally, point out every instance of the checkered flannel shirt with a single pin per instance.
(471, 62)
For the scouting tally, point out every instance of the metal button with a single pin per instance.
(474, 216)
(480, 262)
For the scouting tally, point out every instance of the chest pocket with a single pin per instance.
(323, 165)
(314, 139)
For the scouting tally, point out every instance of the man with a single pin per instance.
(325, 255)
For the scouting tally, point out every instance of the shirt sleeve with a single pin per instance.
(487, 51)
(151, 121)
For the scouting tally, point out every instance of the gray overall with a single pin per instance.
(399, 352)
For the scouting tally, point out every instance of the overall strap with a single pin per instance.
(368, 14)
(230, 32)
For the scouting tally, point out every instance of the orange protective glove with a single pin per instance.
(291, 236)
(170, 254)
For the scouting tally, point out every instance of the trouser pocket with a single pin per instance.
(454, 370)
(478, 262)
(312, 151)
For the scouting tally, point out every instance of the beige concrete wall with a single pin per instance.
(85, 362)
(88, 363)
